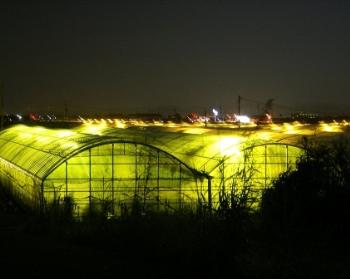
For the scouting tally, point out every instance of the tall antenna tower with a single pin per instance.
(239, 109)
(239, 104)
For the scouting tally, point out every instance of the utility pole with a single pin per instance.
(221, 114)
(65, 110)
(239, 105)
(239, 110)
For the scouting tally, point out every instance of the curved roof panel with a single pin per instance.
(204, 148)
(36, 149)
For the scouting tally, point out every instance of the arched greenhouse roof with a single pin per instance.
(202, 149)
(36, 150)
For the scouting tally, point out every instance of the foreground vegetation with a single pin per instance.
(300, 231)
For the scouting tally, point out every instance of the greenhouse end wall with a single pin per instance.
(252, 171)
(113, 177)
(21, 184)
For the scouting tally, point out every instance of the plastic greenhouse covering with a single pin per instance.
(160, 168)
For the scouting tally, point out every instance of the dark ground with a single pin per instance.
(166, 246)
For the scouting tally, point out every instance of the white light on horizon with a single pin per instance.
(243, 119)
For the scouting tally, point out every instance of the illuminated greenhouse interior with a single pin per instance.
(110, 169)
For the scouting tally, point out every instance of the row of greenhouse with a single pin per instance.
(111, 169)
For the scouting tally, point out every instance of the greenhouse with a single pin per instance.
(158, 168)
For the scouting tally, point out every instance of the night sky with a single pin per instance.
(162, 56)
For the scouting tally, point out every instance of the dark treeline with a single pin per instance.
(300, 230)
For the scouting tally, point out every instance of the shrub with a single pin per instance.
(317, 193)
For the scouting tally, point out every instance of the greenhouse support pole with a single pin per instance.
(136, 174)
(90, 184)
(265, 163)
(41, 205)
(103, 189)
(209, 195)
(287, 157)
(66, 179)
(180, 189)
(158, 192)
(112, 184)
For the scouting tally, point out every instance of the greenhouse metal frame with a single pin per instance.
(111, 169)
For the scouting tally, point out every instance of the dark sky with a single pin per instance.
(124, 56)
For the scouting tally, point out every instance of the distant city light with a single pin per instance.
(215, 112)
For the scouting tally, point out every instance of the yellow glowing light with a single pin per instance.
(289, 128)
(297, 124)
(264, 135)
(345, 123)
(171, 124)
(194, 131)
(38, 129)
(119, 124)
(330, 127)
(25, 136)
(275, 127)
(70, 145)
(158, 123)
(324, 127)
(65, 133)
(94, 129)
(229, 146)
(43, 139)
